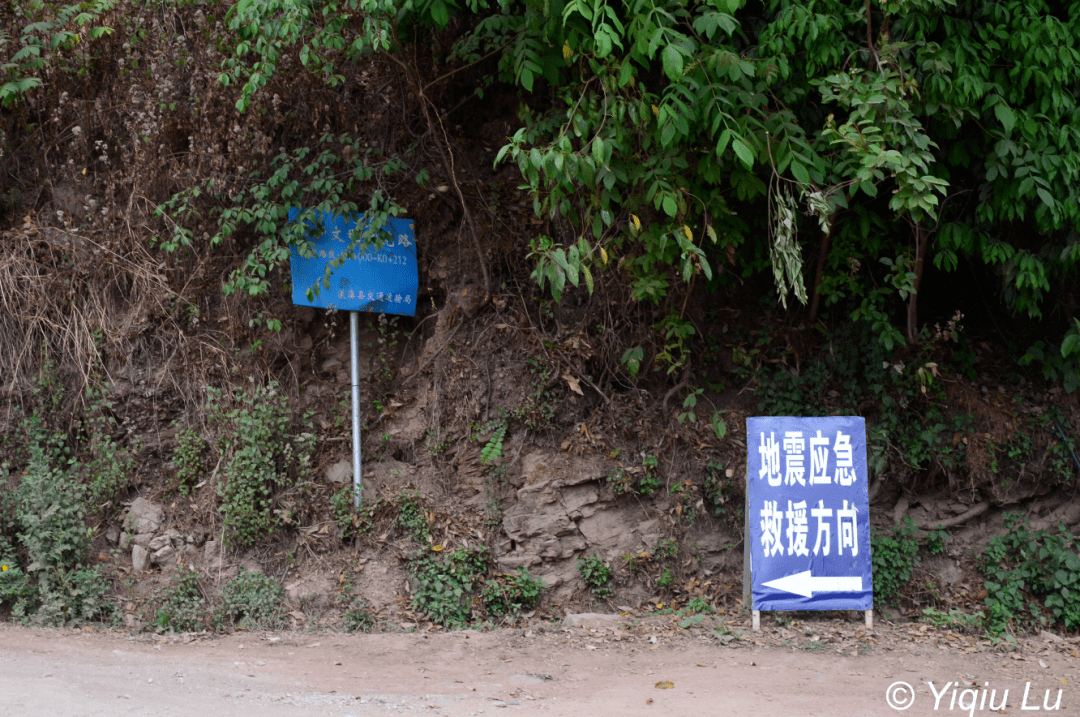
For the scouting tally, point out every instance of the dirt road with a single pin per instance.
(544, 670)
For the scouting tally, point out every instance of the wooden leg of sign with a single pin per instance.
(757, 619)
(869, 619)
(747, 574)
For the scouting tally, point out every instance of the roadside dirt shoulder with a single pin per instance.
(643, 669)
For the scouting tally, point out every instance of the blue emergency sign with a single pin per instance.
(809, 513)
(383, 281)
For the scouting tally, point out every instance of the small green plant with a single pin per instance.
(935, 541)
(619, 481)
(382, 364)
(634, 561)
(494, 447)
(512, 593)
(182, 606)
(436, 447)
(718, 491)
(109, 468)
(667, 579)
(666, 548)
(690, 404)
(893, 556)
(188, 458)
(597, 575)
(411, 515)
(699, 605)
(632, 359)
(252, 601)
(691, 620)
(725, 634)
(649, 481)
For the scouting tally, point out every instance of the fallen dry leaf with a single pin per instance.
(574, 383)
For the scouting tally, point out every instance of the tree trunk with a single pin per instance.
(823, 253)
(922, 238)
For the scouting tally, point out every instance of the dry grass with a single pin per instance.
(95, 315)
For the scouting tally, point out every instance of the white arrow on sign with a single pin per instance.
(806, 585)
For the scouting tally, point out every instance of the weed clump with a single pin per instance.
(182, 608)
(357, 618)
(188, 458)
(513, 593)
(443, 589)
(251, 601)
(454, 590)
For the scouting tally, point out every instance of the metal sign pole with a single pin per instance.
(381, 282)
(354, 346)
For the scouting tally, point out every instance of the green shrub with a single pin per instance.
(893, 557)
(182, 606)
(443, 589)
(252, 601)
(50, 517)
(108, 467)
(256, 439)
(75, 596)
(55, 587)
(1022, 567)
(597, 575)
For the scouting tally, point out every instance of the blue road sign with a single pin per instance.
(383, 281)
(809, 513)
